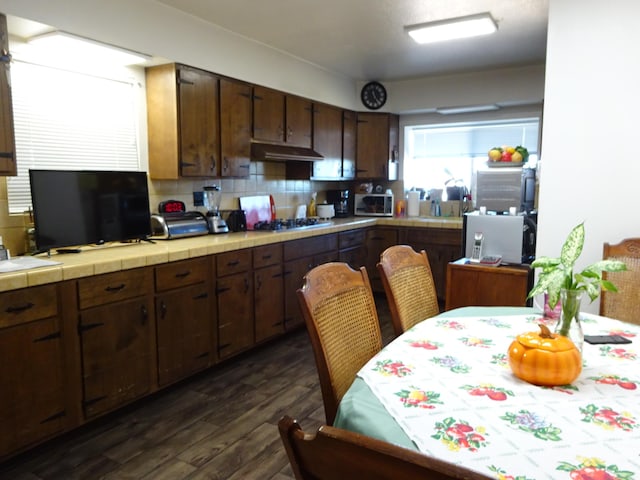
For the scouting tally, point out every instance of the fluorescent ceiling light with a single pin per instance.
(467, 109)
(65, 45)
(460, 27)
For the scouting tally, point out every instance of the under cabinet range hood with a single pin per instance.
(283, 153)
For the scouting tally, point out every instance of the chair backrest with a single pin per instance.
(409, 286)
(334, 454)
(625, 303)
(342, 321)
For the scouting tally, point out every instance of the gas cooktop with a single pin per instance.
(281, 225)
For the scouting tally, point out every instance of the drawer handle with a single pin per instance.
(201, 296)
(20, 308)
(53, 417)
(183, 274)
(115, 289)
(51, 336)
(233, 263)
(220, 290)
(266, 257)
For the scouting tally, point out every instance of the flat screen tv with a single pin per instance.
(74, 208)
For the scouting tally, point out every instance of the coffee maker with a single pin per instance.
(212, 197)
(342, 202)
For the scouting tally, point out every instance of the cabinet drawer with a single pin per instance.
(267, 255)
(431, 236)
(113, 287)
(180, 274)
(310, 246)
(351, 238)
(28, 304)
(233, 262)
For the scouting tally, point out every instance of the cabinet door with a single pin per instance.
(372, 145)
(183, 332)
(199, 133)
(32, 405)
(7, 133)
(298, 118)
(327, 140)
(356, 257)
(268, 115)
(348, 144)
(378, 240)
(235, 128)
(235, 313)
(269, 302)
(117, 359)
(294, 271)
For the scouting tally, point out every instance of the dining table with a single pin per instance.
(445, 388)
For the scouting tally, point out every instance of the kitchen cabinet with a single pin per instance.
(32, 374)
(352, 248)
(235, 127)
(7, 133)
(442, 245)
(334, 139)
(117, 334)
(378, 240)
(377, 153)
(477, 285)
(183, 122)
(183, 318)
(234, 292)
(299, 257)
(281, 118)
(268, 291)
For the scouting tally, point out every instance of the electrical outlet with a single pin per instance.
(198, 199)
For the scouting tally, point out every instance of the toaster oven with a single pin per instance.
(373, 204)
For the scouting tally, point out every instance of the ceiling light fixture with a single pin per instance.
(65, 45)
(467, 109)
(452, 28)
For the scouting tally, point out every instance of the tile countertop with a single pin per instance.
(112, 257)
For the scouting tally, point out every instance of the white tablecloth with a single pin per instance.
(448, 384)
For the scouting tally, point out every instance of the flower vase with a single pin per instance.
(569, 324)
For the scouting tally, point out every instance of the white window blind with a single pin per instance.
(69, 121)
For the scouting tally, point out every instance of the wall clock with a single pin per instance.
(373, 95)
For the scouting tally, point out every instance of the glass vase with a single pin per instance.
(569, 324)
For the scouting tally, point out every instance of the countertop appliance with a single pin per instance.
(167, 226)
(342, 201)
(373, 204)
(212, 197)
(282, 225)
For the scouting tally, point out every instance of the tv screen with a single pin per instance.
(73, 208)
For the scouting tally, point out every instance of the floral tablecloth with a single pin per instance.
(448, 384)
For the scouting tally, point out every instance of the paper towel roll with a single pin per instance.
(413, 203)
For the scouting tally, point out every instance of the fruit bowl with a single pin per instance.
(491, 164)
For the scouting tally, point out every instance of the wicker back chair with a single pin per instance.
(337, 454)
(342, 322)
(625, 304)
(408, 285)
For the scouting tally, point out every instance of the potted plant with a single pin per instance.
(560, 282)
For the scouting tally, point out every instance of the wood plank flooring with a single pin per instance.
(220, 424)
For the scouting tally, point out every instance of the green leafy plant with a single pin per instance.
(557, 273)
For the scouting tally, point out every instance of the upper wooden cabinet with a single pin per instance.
(281, 118)
(7, 134)
(183, 121)
(235, 127)
(334, 139)
(377, 146)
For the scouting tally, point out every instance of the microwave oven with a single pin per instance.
(373, 204)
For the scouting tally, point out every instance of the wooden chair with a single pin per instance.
(342, 322)
(335, 454)
(408, 285)
(624, 304)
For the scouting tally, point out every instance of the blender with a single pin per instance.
(212, 197)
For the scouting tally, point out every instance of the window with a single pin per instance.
(69, 120)
(435, 154)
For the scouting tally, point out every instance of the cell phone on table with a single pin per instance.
(603, 339)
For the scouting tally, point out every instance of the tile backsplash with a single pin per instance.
(264, 178)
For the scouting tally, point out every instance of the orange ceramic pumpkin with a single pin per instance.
(543, 358)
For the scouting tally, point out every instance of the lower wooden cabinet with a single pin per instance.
(477, 285)
(378, 240)
(268, 281)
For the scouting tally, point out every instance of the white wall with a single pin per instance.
(590, 160)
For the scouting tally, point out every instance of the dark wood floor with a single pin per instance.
(221, 424)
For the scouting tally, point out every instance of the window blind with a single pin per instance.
(69, 121)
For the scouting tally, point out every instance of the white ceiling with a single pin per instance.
(365, 39)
